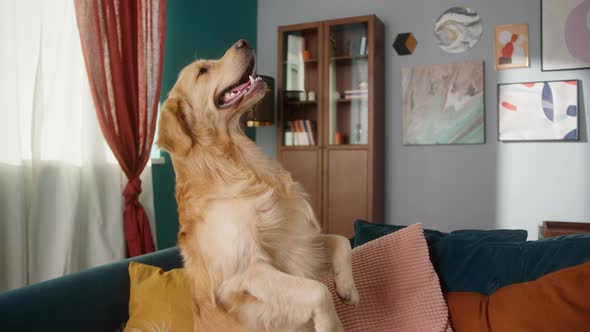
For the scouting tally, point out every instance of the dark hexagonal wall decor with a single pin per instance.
(405, 43)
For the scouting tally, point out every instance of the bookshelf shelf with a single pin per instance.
(356, 147)
(308, 61)
(298, 147)
(348, 100)
(298, 102)
(349, 57)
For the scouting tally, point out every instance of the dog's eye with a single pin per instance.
(202, 70)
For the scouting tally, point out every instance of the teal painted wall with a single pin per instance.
(195, 29)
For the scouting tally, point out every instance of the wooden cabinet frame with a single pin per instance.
(367, 158)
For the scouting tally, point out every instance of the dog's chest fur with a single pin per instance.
(234, 216)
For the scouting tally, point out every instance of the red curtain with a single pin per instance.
(123, 45)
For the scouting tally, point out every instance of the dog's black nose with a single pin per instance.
(242, 43)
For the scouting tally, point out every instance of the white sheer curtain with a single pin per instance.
(61, 206)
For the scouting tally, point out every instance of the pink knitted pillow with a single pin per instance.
(398, 287)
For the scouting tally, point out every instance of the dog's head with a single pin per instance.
(208, 99)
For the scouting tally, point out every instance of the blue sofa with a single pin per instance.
(91, 300)
(465, 260)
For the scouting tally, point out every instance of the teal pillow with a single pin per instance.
(476, 265)
(365, 232)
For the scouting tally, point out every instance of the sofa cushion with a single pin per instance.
(557, 301)
(159, 300)
(398, 287)
(471, 265)
(365, 232)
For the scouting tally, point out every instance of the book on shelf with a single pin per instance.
(299, 133)
(356, 94)
(363, 48)
(356, 91)
(309, 130)
(288, 138)
(355, 97)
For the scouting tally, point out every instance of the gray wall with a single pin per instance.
(494, 185)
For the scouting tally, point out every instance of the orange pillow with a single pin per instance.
(558, 301)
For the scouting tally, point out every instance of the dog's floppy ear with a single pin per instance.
(174, 133)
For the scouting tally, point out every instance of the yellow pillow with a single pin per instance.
(158, 300)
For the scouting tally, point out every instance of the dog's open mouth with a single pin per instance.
(234, 94)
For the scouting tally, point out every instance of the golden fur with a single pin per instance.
(249, 238)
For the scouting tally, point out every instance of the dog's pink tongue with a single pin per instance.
(240, 87)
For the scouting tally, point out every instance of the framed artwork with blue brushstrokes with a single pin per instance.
(565, 34)
(538, 111)
(443, 104)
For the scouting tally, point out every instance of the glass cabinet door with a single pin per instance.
(348, 84)
(301, 76)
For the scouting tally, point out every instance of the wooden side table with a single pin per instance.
(557, 228)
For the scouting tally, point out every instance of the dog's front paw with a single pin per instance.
(346, 289)
(348, 295)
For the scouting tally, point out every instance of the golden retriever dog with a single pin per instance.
(249, 238)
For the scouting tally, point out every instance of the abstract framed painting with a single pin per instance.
(458, 29)
(443, 104)
(538, 111)
(565, 32)
(511, 46)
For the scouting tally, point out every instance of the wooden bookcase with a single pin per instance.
(331, 117)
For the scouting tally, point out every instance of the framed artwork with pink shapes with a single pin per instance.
(538, 111)
(511, 46)
(565, 34)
